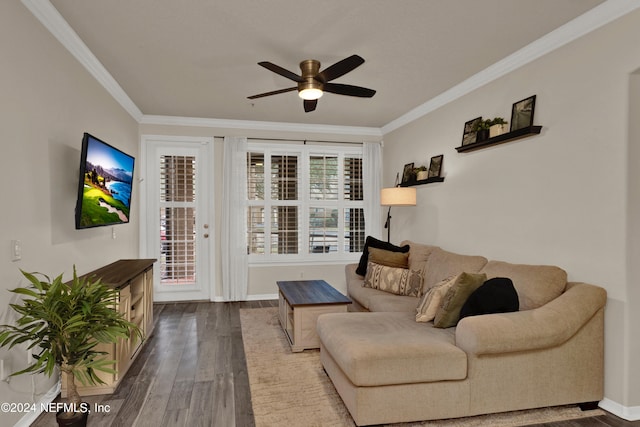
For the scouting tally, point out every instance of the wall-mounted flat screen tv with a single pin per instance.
(105, 184)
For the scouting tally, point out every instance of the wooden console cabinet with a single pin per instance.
(133, 278)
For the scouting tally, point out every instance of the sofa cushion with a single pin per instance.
(389, 258)
(536, 284)
(362, 295)
(375, 243)
(388, 279)
(496, 295)
(418, 257)
(431, 300)
(443, 264)
(375, 349)
(448, 314)
(384, 301)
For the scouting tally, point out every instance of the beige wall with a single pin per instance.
(632, 336)
(47, 101)
(557, 198)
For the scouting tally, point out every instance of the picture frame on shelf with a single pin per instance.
(407, 173)
(435, 166)
(522, 113)
(469, 134)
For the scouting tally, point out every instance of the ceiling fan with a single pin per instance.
(313, 82)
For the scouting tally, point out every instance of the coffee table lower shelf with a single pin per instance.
(298, 317)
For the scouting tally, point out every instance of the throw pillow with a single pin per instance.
(375, 243)
(414, 283)
(448, 314)
(430, 302)
(497, 295)
(389, 258)
(388, 279)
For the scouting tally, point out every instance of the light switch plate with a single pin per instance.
(16, 250)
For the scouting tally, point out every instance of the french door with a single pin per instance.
(176, 220)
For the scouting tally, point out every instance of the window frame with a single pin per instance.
(304, 152)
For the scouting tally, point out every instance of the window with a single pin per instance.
(177, 219)
(304, 202)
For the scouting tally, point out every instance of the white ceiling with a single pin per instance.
(198, 58)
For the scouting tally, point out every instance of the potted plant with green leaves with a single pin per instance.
(497, 127)
(481, 128)
(63, 323)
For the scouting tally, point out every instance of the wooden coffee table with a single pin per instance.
(300, 303)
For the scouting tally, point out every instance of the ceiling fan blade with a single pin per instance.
(349, 90)
(275, 92)
(310, 105)
(283, 72)
(340, 68)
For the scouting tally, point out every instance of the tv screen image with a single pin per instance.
(105, 184)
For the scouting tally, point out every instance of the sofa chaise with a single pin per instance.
(389, 368)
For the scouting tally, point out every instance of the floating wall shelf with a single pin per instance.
(501, 139)
(423, 181)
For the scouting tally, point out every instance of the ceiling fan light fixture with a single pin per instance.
(310, 94)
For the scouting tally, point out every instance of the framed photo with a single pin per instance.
(435, 166)
(407, 173)
(469, 135)
(522, 113)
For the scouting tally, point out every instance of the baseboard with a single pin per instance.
(256, 297)
(260, 297)
(629, 413)
(30, 417)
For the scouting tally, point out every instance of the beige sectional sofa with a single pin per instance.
(389, 368)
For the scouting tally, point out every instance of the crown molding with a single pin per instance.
(572, 30)
(49, 16)
(260, 125)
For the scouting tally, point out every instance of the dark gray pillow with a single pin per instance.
(375, 243)
(497, 295)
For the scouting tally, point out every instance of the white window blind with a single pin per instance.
(177, 220)
(314, 205)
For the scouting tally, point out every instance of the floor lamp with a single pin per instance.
(396, 196)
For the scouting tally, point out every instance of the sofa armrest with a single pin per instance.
(547, 326)
(350, 272)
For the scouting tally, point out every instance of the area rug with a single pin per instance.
(292, 389)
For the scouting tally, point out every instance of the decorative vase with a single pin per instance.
(496, 130)
(422, 175)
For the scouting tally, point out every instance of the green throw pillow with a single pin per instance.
(448, 314)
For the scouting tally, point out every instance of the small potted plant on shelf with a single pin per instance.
(497, 127)
(63, 323)
(481, 128)
(421, 173)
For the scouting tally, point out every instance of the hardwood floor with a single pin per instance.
(192, 372)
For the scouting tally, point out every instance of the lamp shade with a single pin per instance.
(398, 196)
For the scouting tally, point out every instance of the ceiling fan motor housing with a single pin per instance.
(310, 69)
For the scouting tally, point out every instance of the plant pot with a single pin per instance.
(496, 130)
(78, 419)
(422, 175)
(482, 134)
